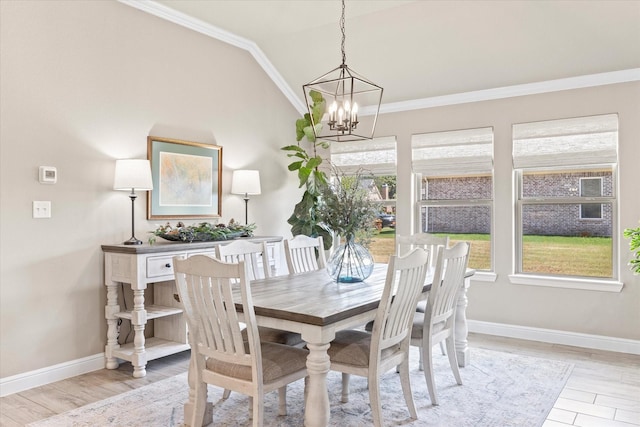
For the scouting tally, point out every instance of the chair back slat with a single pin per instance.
(404, 283)
(426, 241)
(205, 288)
(254, 255)
(304, 253)
(448, 280)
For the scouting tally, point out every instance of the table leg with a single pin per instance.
(110, 311)
(316, 413)
(138, 322)
(461, 328)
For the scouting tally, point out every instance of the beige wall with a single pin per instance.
(588, 312)
(84, 83)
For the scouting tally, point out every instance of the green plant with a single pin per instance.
(346, 208)
(304, 218)
(634, 245)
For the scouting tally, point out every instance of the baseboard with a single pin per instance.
(599, 342)
(39, 377)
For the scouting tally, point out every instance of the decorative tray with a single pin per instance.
(203, 232)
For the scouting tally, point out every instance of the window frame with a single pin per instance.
(583, 179)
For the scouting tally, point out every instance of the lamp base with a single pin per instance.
(133, 241)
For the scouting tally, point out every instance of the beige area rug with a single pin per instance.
(499, 390)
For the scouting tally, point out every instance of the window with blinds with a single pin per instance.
(454, 172)
(566, 196)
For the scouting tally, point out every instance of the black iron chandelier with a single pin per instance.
(337, 98)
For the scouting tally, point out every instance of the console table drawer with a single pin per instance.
(159, 266)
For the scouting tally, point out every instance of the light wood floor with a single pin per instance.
(603, 389)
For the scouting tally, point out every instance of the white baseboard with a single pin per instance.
(39, 377)
(599, 342)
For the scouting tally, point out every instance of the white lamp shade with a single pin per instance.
(245, 182)
(133, 174)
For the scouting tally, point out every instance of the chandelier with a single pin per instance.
(336, 98)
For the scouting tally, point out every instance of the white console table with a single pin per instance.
(140, 266)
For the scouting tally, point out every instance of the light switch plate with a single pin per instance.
(42, 209)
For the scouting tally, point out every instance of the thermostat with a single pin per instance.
(48, 175)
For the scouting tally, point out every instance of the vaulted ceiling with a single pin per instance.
(419, 50)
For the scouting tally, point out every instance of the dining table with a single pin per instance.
(316, 306)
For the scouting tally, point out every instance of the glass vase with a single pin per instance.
(350, 263)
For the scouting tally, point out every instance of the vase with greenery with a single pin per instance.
(345, 208)
(304, 219)
(634, 245)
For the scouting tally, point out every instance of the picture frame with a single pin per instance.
(187, 179)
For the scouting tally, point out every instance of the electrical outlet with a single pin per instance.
(42, 209)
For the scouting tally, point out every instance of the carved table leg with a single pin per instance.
(316, 413)
(138, 322)
(461, 328)
(110, 310)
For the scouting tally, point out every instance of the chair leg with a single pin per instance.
(406, 388)
(251, 408)
(374, 398)
(258, 411)
(282, 400)
(421, 359)
(453, 359)
(225, 394)
(428, 371)
(345, 388)
(444, 353)
(197, 418)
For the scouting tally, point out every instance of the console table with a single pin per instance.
(143, 265)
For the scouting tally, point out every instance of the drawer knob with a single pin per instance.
(167, 265)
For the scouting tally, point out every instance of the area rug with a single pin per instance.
(499, 389)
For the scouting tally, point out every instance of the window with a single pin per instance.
(377, 161)
(559, 165)
(591, 187)
(454, 170)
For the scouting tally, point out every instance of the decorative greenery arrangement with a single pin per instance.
(346, 208)
(203, 232)
(304, 219)
(634, 245)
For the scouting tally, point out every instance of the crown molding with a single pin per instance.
(210, 30)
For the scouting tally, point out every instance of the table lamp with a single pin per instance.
(245, 182)
(133, 174)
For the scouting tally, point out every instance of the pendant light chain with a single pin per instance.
(344, 55)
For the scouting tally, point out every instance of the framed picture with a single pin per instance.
(187, 179)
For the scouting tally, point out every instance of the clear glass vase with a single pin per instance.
(350, 263)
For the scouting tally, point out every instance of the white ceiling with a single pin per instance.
(425, 49)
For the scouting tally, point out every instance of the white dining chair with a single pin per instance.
(256, 258)
(222, 355)
(437, 323)
(371, 354)
(304, 253)
(254, 254)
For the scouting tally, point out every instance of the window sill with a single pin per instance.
(484, 276)
(587, 284)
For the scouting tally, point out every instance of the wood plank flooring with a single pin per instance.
(603, 389)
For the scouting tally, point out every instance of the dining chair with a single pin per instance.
(256, 258)
(370, 354)
(437, 323)
(254, 254)
(430, 243)
(222, 356)
(304, 253)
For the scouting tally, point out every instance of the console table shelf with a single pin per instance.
(140, 266)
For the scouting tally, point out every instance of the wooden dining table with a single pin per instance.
(317, 307)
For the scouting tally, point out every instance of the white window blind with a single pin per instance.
(377, 156)
(566, 142)
(459, 152)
